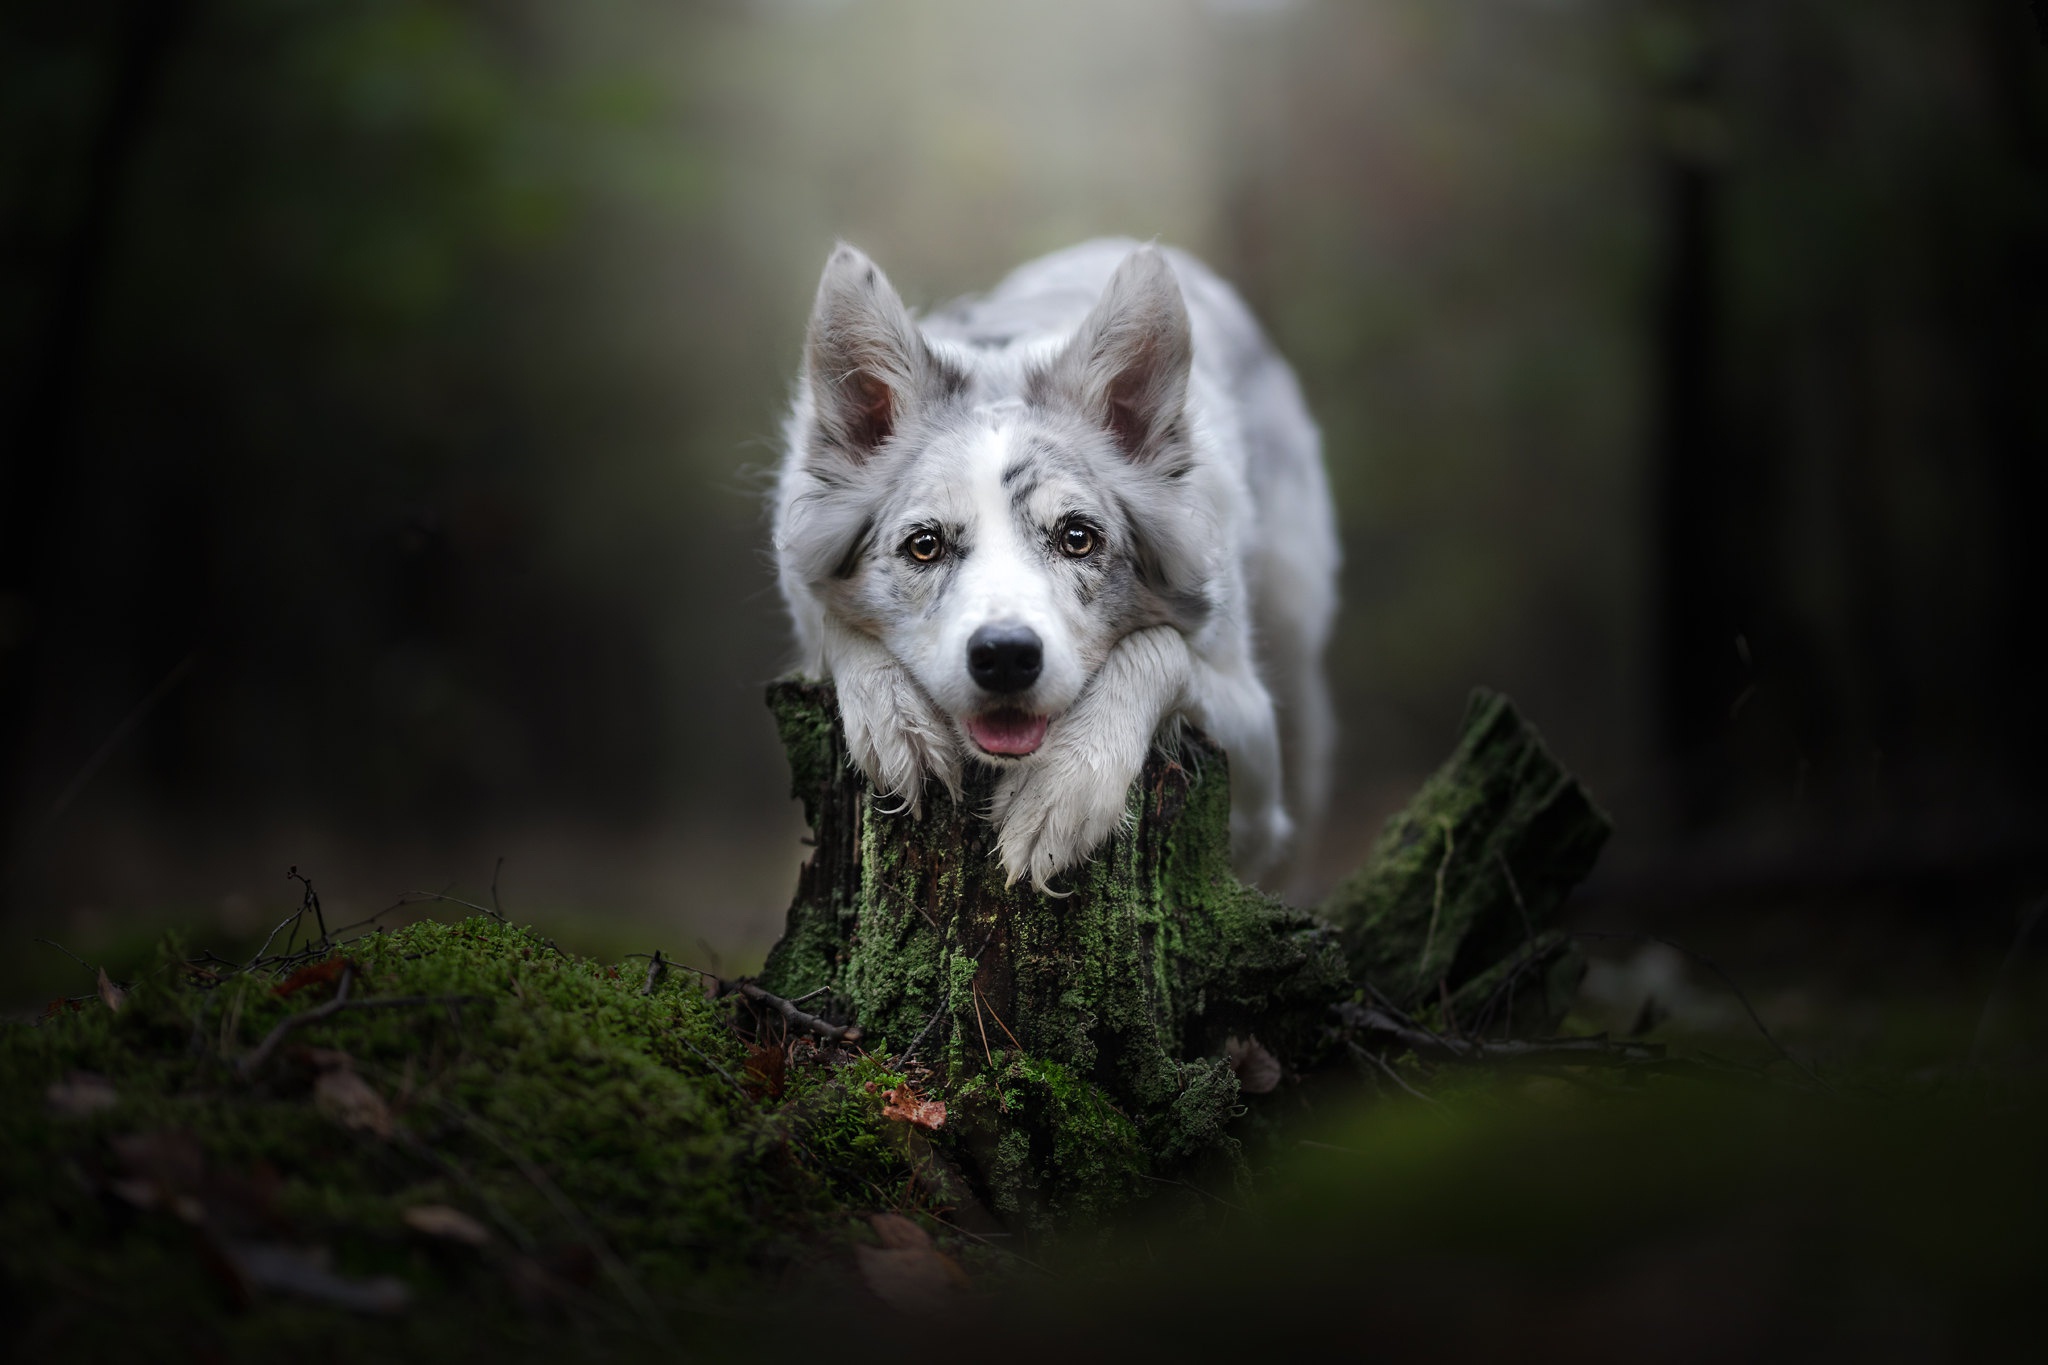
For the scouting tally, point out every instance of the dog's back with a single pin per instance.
(1248, 395)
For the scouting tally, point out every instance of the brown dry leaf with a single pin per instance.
(1258, 1071)
(767, 1067)
(913, 1279)
(112, 994)
(350, 1100)
(899, 1233)
(904, 1103)
(169, 1158)
(448, 1224)
(317, 974)
(81, 1094)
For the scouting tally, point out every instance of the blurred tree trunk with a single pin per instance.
(1707, 499)
(42, 481)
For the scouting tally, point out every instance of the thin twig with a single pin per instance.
(1726, 980)
(830, 1032)
(1531, 954)
(705, 1058)
(114, 740)
(1211, 1194)
(992, 1244)
(1596, 1050)
(50, 942)
(2005, 969)
(512, 1226)
(292, 918)
(252, 1060)
(1387, 1070)
(496, 908)
(1515, 890)
(918, 1041)
(614, 1268)
(656, 969)
(999, 1021)
(1436, 908)
(981, 1027)
(311, 900)
(427, 896)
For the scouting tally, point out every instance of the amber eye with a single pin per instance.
(1077, 541)
(924, 546)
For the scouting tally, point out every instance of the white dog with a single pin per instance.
(1045, 523)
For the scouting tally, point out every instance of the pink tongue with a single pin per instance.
(1008, 732)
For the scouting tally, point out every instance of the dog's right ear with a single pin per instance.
(864, 357)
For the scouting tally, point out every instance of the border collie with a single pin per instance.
(1037, 529)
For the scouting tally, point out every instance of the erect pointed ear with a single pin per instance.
(1128, 365)
(863, 355)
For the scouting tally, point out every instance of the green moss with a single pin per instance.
(1082, 1034)
(576, 1117)
(1474, 866)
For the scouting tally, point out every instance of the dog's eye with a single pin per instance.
(1077, 541)
(924, 546)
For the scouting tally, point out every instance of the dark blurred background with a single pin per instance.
(386, 390)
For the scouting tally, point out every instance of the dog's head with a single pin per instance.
(1000, 519)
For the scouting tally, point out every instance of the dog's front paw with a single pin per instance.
(1049, 817)
(896, 738)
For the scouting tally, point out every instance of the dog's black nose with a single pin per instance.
(1005, 658)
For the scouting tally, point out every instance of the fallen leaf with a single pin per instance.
(766, 1067)
(448, 1224)
(904, 1103)
(350, 1100)
(1258, 1071)
(912, 1279)
(315, 974)
(307, 1272)
(899, 1233)
(165, 1169)
(169, 1158)
(112, 994)
(81, 1094)
(551, 1280)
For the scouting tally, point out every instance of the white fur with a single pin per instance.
(1125, 386)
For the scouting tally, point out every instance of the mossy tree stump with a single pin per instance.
(1081, 1038)
(1082, 1035)
(1450, 915)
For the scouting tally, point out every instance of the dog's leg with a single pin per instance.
(1233, 707)
(1056, 809)
(893, 732)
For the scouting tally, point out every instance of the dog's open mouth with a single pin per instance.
(1009, 731)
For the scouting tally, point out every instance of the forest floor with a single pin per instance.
(453, 1138)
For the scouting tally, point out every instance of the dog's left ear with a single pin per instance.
(1128, 365)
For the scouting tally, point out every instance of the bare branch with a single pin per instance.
(1597, 1050)
(830, 1032)
(250, 1061)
